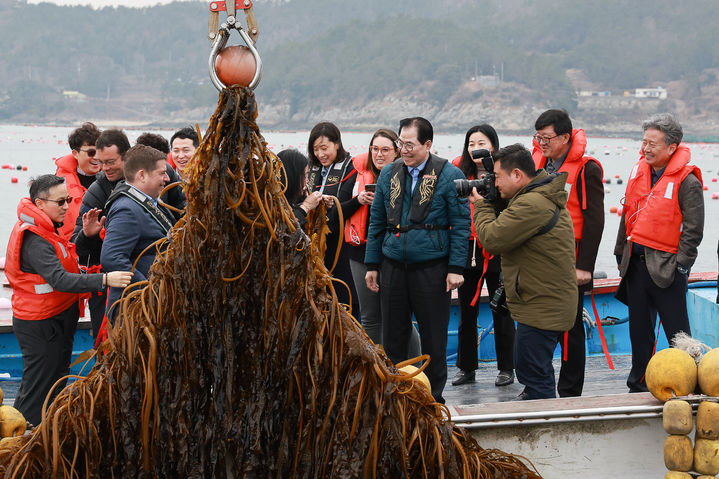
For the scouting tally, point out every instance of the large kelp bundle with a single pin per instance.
(235, 360)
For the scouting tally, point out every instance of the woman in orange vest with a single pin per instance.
(481, 266)
(382, 152)
(42, 269)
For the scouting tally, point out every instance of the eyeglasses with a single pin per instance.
(108, 162)
(544, 139)
(89, 152)
(376, 149)
(402, 145)
(61, 202)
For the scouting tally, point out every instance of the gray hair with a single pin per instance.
(665, 123)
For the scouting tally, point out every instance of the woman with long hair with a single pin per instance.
(294, 177)
(481, 266)
(332, 174)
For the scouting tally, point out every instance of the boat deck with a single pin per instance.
(599, 380)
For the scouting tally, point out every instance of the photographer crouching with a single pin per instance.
(535, 238)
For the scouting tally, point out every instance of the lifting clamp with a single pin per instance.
(219, 36)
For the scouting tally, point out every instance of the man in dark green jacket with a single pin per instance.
(418, 240)
(535, 237)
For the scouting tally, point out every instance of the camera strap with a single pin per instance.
(546, 228)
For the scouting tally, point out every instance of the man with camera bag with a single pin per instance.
(559, 147)
(417, 238)
(535, 238)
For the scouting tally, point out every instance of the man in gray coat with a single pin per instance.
(661, 228)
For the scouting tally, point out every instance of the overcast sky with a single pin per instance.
(107, 3)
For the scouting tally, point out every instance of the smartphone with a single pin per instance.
(370, 187)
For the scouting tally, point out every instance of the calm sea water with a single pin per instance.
(36, 146)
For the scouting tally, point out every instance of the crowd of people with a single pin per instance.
(405, 229)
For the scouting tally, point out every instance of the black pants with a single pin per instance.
(46, 347)
(342, 272)
(646, 299)
(97, 310)
(467, 331)
(571, 373)
(422, 290)
(533, 353)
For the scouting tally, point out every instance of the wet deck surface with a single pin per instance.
(599, 380)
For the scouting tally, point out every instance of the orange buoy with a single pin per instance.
(616, 176)
(706, 187)
(612, 209)
(235, 65)
(714, 180)
(24, 168)
(13, 179)
(715, 196)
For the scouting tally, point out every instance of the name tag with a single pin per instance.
(337, 166)
(633, 174)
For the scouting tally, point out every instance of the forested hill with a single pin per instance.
(365, 63)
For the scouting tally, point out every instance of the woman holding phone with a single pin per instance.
(481, 266)
(382, 152)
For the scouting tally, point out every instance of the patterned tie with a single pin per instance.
(550, 167)
(415, 175)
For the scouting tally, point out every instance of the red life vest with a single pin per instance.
(171, 161)
(356, 225)
(67, 168)
(652, 214)
(32, 297)
(574, 165)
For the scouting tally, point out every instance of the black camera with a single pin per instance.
(498, 303)
(485, 185)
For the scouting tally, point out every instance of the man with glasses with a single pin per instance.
(558, 148)
(417, 239)
(42, 269)
(89, 228)
(659, 233)
(79, 169)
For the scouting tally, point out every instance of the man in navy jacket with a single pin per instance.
(135, 220)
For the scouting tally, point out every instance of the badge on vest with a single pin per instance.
(669, 191)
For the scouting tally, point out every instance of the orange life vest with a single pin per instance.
(171, 161)
(652, 214)
(67, 168)
(574, 165)
(356, 225)
(32, 297)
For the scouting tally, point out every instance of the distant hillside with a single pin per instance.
(368, 63)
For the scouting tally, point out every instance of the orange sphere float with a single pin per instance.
(235, 65)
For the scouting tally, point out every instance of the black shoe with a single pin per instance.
(523, 396)
(504, 378)
(463, 377)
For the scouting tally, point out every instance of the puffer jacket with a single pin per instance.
(420, 245)
(539, 272)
